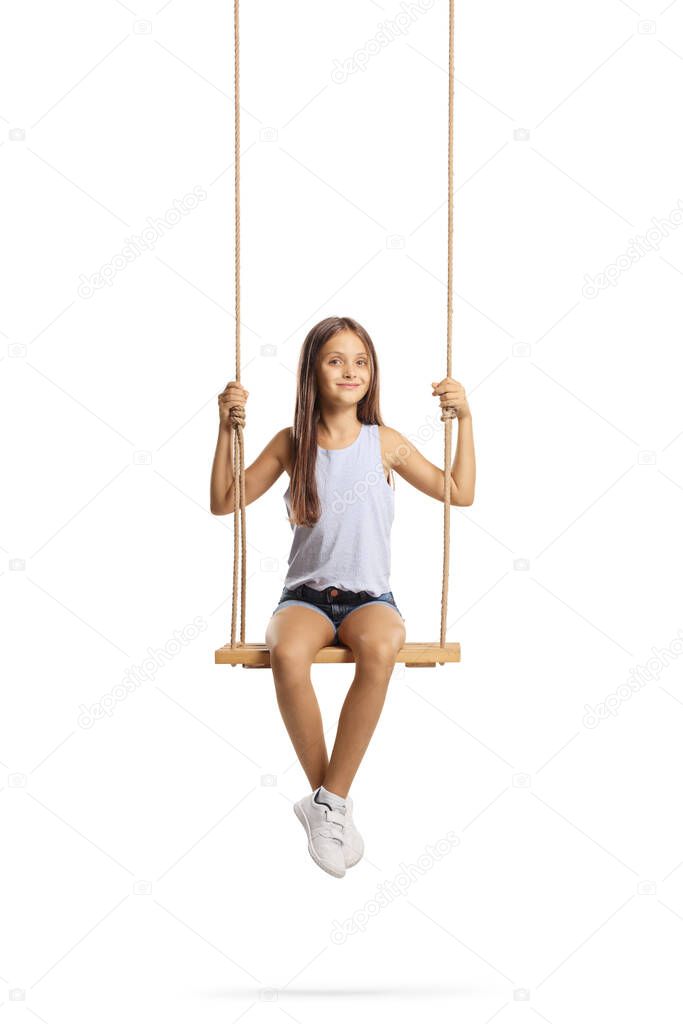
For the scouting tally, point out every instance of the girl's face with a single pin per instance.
(343, 360)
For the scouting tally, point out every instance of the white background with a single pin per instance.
(151, 863)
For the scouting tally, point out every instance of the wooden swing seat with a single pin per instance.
(411, 655)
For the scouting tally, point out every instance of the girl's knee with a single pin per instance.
(377, 650)
(289, 657)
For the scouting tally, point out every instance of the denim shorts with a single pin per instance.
(333, 603)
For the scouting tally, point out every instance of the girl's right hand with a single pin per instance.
(234, 394)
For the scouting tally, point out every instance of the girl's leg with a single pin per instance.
(294, 636)
(375, 635)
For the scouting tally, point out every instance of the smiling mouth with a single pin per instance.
(348, 385)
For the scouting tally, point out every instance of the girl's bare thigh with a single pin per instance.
(374, 626)
(296, 630)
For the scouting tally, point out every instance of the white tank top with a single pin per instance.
(350, 545)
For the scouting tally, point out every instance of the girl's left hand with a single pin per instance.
(451, 392)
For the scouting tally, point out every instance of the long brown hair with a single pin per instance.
(304, 500)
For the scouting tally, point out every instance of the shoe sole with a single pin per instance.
(352, 863)
(304, 821)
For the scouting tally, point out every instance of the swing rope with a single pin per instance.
(238, 417)
(448, 413)
(238, 412)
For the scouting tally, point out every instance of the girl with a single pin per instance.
(339, 457)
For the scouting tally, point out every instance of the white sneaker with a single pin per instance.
(325, 830)
(354, 846)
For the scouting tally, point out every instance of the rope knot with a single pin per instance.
(448, 412)
(238, 416)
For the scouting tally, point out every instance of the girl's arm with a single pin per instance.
(222, 472)
(464, 469)
(258, 477)
(423, 474)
